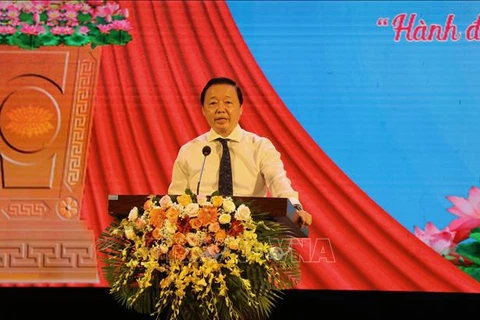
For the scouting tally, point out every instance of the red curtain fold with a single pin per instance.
(148, 105)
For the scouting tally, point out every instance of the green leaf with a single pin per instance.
(84, 18)
(26, 17)
(25, 41)
(119, 37)
(470, 250)
(101, 20)
(475, 234)
(77, 40)
(118, 17)
(43, 17)
(49, 39)
(473, 271)
(98, 38)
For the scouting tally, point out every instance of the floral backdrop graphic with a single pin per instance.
(33, 24)
(459, 241)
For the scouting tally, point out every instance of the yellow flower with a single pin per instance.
(132, 263)
(224, 218)
(217, 201)
(130, 233)
(200, 284)
(232, 243)
(180, 292)
(184, 199)
(142, 253)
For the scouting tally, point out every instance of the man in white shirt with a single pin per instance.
(256, 166)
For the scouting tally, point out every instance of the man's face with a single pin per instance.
(221, 108)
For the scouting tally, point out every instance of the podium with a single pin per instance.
(280, 210)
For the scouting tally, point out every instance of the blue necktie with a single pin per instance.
(225, 185)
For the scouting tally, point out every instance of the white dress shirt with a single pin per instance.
(257, 169)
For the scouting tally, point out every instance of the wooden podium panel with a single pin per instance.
(46, 101)
(280, 209)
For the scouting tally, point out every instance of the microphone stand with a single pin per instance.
(205, 151)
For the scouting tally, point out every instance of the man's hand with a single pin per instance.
(305, 218)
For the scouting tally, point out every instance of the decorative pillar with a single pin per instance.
(46, 108)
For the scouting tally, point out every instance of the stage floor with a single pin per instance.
(97, 303)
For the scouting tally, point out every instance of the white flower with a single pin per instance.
(228, 206)
(224, 218)
(133, 214)
(243, 213)
(192, 209)
(166, 202)
(201, 199)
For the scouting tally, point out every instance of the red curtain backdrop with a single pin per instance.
(148, 106)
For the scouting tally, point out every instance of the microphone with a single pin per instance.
(205, 151)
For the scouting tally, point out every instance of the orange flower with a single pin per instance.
(220, 236)
(157, 216)
(214, 227)
(195, 223)
(208, 215)
(178, 253)
(179, 238)
(208, 238)
(172, 214)
(148, 205)
(157, 233)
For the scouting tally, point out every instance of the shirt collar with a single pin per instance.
(235, 135)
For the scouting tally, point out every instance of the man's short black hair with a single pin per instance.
(221, 80)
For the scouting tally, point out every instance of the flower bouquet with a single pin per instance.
(458, 242)
(32, 24)
(198, 257)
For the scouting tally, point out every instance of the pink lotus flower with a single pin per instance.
(468, 212)
(33, 30)
(62, 30)
(107, 11)
(439, 240)
(123, 25)
(83, 30)
(7, 30)
(104, 28)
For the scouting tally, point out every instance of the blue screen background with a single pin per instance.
(401, 119)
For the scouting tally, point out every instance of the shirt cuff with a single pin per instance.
(298, 207)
